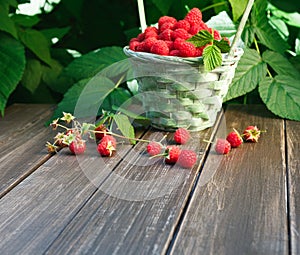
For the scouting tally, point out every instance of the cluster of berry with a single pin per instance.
(234, 139)
(73, 138)
(173, 153)
(170, 38)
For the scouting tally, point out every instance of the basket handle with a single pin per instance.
(241, 27)
(142, 15)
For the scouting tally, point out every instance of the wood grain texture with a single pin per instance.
(293, 163)
(37, 210)
(22, 142)
(136, 210)
(242, 208)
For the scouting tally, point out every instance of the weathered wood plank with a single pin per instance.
(36, 210)
(22, 142)
(136, 210)
(34, 213)
(293, 163)
(242, 207)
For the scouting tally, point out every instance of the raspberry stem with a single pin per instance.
(120, 136)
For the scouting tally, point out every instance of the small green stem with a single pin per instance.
(120, 136)
(245, 99)
(258, 51)
(62, 126)
(256, 46)
(269, 73)
(213, 6)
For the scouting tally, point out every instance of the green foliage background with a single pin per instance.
(35, 69)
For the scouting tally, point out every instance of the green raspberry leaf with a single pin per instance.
(32, 75)
(12, 66)
(94, 91)
(201, 39)
(266, 34)
(37, 43)
(250, 71)
(212, 57)
(222, 45)
(124, 125)
(280, 64)
(281, 95)
(238, 8)
(93, 62)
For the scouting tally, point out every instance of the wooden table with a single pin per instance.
(246, 202)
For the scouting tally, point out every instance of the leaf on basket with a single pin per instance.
(212, 57)
(201, 39)
(222, 45)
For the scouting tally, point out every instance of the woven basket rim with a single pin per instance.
(191, 60)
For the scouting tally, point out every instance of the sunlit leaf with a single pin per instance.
(212, 57)
(250, 71)
(281, 95)
(280, 64)
(238, 8)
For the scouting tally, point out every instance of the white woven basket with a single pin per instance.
(178, 92)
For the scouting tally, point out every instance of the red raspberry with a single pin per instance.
(217, 35)
(174, 53)
(151, 32)
(222, 146)
(187, 158)
(141, 37)
(166, 25)
(172, 154)
(77, 147)
(170, 45)
(194, 16)
(199, 51)
(165, 19)
(154, 148)
(150, 35)
(166, 35)
(160, 47)
(251, 134)
(187, 49)
(151, 29)
(180, 33)
(148, 43)
(133, 45)
(181, 136)
(101, 128)
(197, 27)
(141, 47)
(178, 42)
(107, 146)
(182, 24)
(234, 139)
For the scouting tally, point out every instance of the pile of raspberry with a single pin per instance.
(169, 39)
